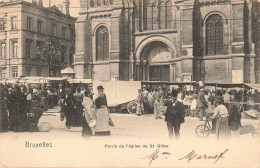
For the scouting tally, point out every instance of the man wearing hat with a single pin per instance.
(174, 116)
(68, 107)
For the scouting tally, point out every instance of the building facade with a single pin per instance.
(24, 29)
(166, 40)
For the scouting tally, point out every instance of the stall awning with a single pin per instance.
(253, 86)
(55, 78)
(86, 81)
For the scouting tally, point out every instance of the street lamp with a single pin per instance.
(50, 54)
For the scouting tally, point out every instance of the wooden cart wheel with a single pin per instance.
(202, 130)
(131, 107)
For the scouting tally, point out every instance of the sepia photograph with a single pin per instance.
(130, 83)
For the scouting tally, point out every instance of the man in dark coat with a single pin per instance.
(174, 117)
(18, 110)
(3, 110)
(68, 107)
(234, 120)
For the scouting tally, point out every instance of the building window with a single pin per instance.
(168, 14)
(39, 71)
(2, 24)
(15, 49)
(53, 30)
(14, 23)
(29, 23)
(63, 32)
(91, 4)
(71, 60)
(214, 35)
(162, 9)
(99, 3)
(72, 34)
(15, 72)
(149, 16)
(28, 71)
(102, 44)
(39, 26)
(3, 72)
(39, 47)
(28, 48)
(155, 16)
(3, 50)
(158, 17)
(63, 53)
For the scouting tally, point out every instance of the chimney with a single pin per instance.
(34, 2)
(49, 3)
(40, 3)
(66, 7)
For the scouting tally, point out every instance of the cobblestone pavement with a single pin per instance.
(126, 126)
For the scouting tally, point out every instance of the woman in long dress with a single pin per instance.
(102, 126)
(89, 114)
(221, 115)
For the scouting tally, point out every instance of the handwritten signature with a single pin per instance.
(155, 155)
(192, 155)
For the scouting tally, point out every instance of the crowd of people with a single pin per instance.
(22, 106)
(150, 100)
(80, 109)
(223, 106)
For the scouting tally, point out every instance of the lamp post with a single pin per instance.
(50, 53)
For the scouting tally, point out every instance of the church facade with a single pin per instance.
(166, 40)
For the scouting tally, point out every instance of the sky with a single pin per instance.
(74, 5)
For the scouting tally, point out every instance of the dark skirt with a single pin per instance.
(86, 131)
(222, 129)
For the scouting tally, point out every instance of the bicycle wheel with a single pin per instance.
(202, 130)
(131, 107)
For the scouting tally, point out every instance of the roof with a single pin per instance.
(234, 85)
(86, 81)
(53, 9)
(67, 70)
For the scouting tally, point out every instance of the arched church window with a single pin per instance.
(102, 44)
(214, 35)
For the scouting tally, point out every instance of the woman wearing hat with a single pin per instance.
(221, 115)
(102, 126)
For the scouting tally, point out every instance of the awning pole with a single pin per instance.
(243, 93)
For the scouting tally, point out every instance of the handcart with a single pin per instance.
(203, 130)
